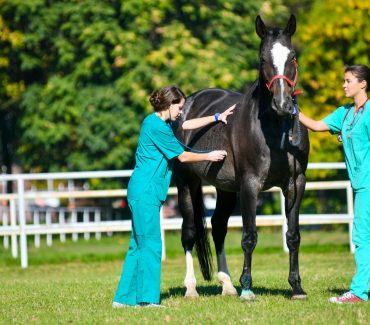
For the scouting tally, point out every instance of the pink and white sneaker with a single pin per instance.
(346, 298)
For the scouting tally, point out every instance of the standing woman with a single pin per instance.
(147, 190)
(352, 123)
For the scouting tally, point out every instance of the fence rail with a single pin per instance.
(14, 223)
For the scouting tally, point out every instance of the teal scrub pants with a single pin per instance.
(140, 278)
(361, 239)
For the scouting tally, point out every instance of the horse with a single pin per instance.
(266, 146)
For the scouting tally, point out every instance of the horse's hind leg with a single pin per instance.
(187, 235)
(224, 207)
(293, 199)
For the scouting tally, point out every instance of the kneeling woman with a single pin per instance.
(147, 190)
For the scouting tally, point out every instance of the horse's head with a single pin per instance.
(278, 66)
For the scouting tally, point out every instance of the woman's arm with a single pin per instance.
(203, 121)
(316, 126)
(215, 155)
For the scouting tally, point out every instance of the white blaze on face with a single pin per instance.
(279, 55)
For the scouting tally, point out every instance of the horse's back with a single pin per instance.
(209, 102)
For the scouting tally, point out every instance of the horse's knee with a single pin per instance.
(249, 241)
(293, 240)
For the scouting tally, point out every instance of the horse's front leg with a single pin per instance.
(293, 199)
(248, 203)
(224, 207)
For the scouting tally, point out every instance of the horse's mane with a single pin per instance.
(251, 93)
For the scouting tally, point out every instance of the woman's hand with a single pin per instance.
(223, 116)
(217, 155)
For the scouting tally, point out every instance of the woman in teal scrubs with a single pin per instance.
(147, 190)
(352, 123)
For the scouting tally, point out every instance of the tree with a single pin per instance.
(83, 70)
(333, 34)
(11, 88)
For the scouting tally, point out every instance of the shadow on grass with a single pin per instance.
(215, 290)
(336, 291)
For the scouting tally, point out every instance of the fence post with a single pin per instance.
(97, 219)
(86, 219)
(74, 221)
(351, 214)
(49, 237)
(22, 223)
(13, 223)
(36, 221)
(62, 221)
(5, 223)
(162, 235)
(284, 227)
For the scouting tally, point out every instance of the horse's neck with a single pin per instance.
(263, 98)
(265, 113)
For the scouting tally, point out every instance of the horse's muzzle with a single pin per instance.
(282, 107)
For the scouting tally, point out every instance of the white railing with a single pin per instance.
(17, 210)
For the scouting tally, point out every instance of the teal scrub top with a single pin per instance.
(356, 142)
(157, 146)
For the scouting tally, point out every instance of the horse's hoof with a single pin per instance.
(191, 294)
(231, 291)
(247, 296)
(299, 297)
(227, 286)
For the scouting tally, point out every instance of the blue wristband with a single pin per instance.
(217, 115)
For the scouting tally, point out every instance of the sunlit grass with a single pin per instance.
(75, 282)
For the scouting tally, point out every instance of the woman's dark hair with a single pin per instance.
(361, 72)
(163, 98)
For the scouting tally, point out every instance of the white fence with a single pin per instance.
(14, 223)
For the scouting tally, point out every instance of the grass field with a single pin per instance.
(73, 283)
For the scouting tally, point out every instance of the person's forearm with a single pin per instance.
(188, 156)
(316, 126)
(215, 155)
(198, 122)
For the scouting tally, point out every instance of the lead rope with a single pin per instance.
(296, 124)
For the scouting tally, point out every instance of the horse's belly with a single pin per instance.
(220, 174)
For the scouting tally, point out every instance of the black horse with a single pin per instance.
(266, 147)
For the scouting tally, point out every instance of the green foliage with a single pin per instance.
(78, 73)
(88, 68)
(333, 34)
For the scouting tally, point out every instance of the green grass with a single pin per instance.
(73, 283)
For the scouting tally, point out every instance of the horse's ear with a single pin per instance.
(261, 29)
(291, 26)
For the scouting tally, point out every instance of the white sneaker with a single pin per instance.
(119, 305)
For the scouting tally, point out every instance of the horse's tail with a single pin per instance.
(202, 245)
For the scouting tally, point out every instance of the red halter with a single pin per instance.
(292, 83)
